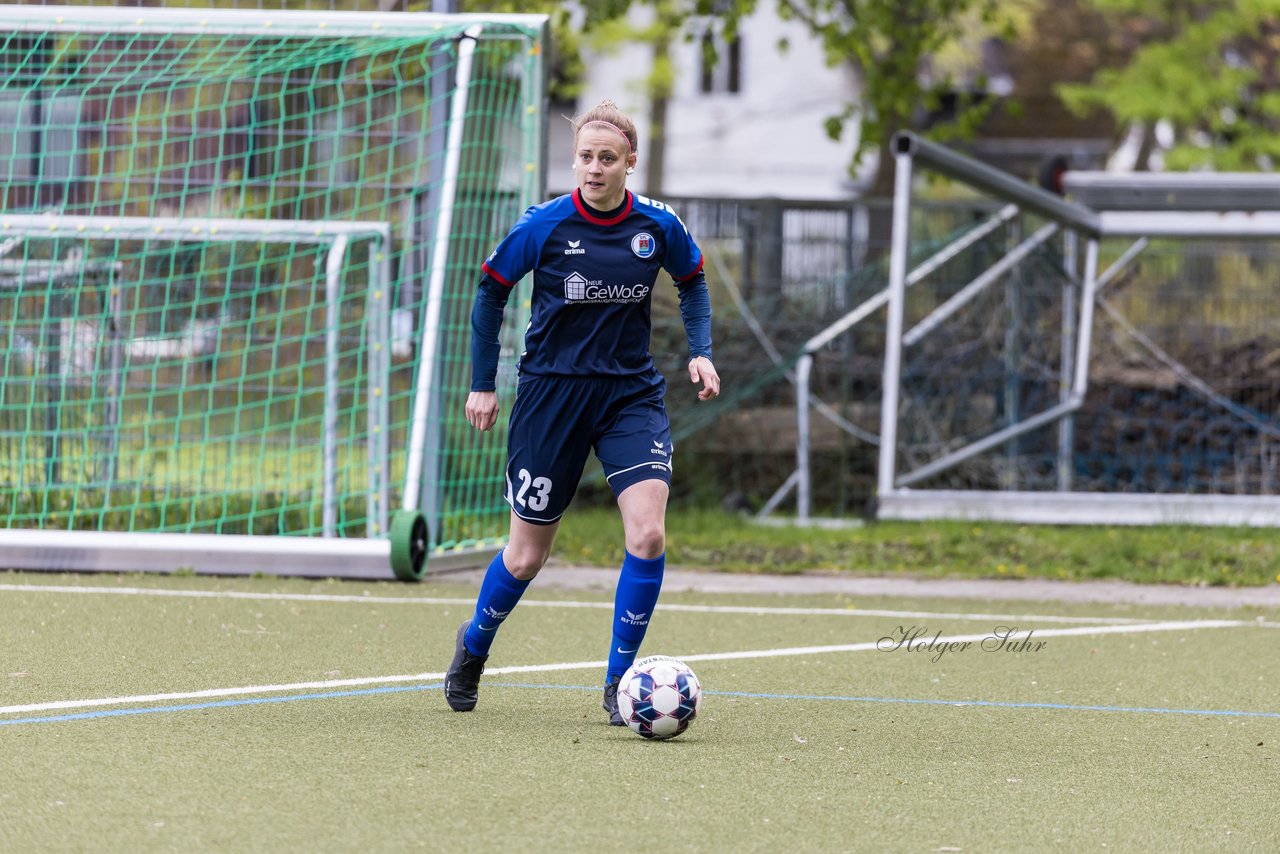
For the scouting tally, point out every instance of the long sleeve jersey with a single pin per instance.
(593, 280)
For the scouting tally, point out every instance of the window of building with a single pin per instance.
(721, 64)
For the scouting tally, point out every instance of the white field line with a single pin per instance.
(332, 684)
(547, 603)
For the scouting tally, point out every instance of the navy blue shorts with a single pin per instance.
(557, 421)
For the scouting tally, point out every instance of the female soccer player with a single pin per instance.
(587, 382)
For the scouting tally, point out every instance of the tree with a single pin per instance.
(1210, 69)
(567, 32)
(891, 45)
(906, 54)
(668, 21)
(606, 24)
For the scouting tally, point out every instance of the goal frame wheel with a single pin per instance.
(410, 539)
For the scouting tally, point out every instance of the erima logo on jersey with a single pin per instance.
(657, 449)
(578, 288)
(575, 248)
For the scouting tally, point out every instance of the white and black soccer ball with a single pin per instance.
(659, 696)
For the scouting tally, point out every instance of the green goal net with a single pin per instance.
(237, 257)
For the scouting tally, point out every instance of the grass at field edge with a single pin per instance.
(719, 541)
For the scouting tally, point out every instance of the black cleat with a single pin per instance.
(611, 702)
(462, 682)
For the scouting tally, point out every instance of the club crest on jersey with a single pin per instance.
(643, 245)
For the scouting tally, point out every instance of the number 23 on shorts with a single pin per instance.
(534, 492)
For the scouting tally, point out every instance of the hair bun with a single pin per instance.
(609, 113)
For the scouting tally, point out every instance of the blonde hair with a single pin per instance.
(607, 112)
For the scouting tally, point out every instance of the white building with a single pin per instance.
(751, 127)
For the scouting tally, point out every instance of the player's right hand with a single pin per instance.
(482, 409)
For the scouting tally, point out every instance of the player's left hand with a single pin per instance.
(702, 371)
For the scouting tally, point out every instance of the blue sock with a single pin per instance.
(499, 593)
(633, 603)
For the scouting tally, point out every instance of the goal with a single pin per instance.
(236, 264)
(1109, 369)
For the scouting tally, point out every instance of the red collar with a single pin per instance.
(595, 218)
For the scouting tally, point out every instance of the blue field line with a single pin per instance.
(1003, 705)
(399, 689)
(922, 702)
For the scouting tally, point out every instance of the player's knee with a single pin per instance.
(647, 541)
(524, 563)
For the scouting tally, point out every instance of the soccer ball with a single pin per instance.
(659, 696)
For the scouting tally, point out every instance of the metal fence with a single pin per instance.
(1184, 389)
(780, 271)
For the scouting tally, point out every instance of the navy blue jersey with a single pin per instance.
(593, 280)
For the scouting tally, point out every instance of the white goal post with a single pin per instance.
(235, 253)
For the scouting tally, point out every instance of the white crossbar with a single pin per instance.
(190, 228)
(242, 22)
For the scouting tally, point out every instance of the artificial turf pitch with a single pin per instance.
(163, 713)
